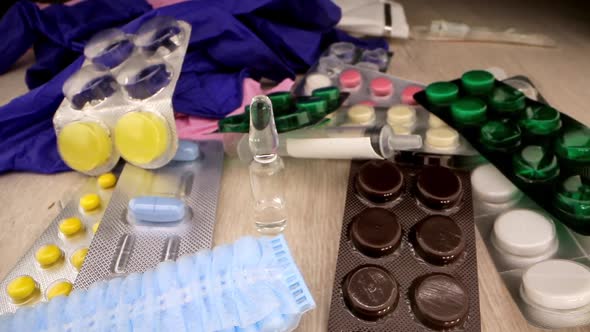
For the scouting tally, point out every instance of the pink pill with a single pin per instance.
(381, 87)
(408, 94)
(350, 79)
(368, 103)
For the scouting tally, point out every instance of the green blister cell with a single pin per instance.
(535, 164)
(573, 197)
(500, 136)
(574, 144)
(331, 94)
(506, 100)
(540, 120)
(282, 102)
(442, 93)
(235, 124)
(478, 82)
(469, 111)
(317, 107)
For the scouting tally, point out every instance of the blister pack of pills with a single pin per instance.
(50, 266)
(347, 53)
(544, 152)
(407, 259)
(119, 104)
(156, 215)
(544, 265)
(377, 99)
(290, 112)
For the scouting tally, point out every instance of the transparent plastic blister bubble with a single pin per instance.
(120, 102)
(50, 266)
(377, 99)
(407, 258)
(157, 215)
(347, 53)
(542, 151)
(524, 240)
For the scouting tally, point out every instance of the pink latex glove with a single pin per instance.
(192, 127)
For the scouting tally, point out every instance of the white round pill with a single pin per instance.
(491, 186)
(435, 122)
(524, 233)
(401, 115)
(361, 114)
(557, 284)
(443, 138)
(316, 81)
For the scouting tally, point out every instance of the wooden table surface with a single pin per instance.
(317, 188)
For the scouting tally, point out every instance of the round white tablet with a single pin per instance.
(316, 81)
(361, 114)
(443, 138)
(524, 233)
(491, 186)
(557, 284)
(435, 122)
(401, 115)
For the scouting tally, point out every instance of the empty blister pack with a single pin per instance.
(544, 152)
(156, 215)
(544, 265)
(250, 285)
(120, 102)
(50, 266)
(407, 259)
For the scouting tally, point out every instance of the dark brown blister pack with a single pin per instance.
(405, 265)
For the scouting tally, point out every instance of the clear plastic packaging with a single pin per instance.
(51, 265)
(120, 103)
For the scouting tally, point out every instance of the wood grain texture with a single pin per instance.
(316, 188)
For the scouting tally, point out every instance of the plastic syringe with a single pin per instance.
(339, 143)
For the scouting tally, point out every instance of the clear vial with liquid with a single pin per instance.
(266, 169)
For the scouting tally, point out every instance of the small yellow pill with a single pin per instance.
(95, 227)
(61, 288)
(90, 202)
(107, 180)
(21, 289)
(48, 255)
(71, 226)
(78, 258)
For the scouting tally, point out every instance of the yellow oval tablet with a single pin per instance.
(71, 226)
(84, 146)
(141, 137)
(48, 255)
(89, 202)
(95, 227)
(107, 180)
(60, 288)
(21, 289)
(78, 258)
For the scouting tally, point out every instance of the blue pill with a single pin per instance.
(157, 209)
(187, 151)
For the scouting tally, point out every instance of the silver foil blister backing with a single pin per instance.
(124, 246)
(64, 270)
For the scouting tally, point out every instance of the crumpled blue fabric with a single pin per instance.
(230, 40)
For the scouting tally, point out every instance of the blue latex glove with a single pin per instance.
(231, 40)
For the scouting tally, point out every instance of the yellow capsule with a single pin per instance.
(21, 289)
(48, 255)
(71, 226)
(90, 202)
(61, 288)
(95, 227)
(107, 180)
(78, 258)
